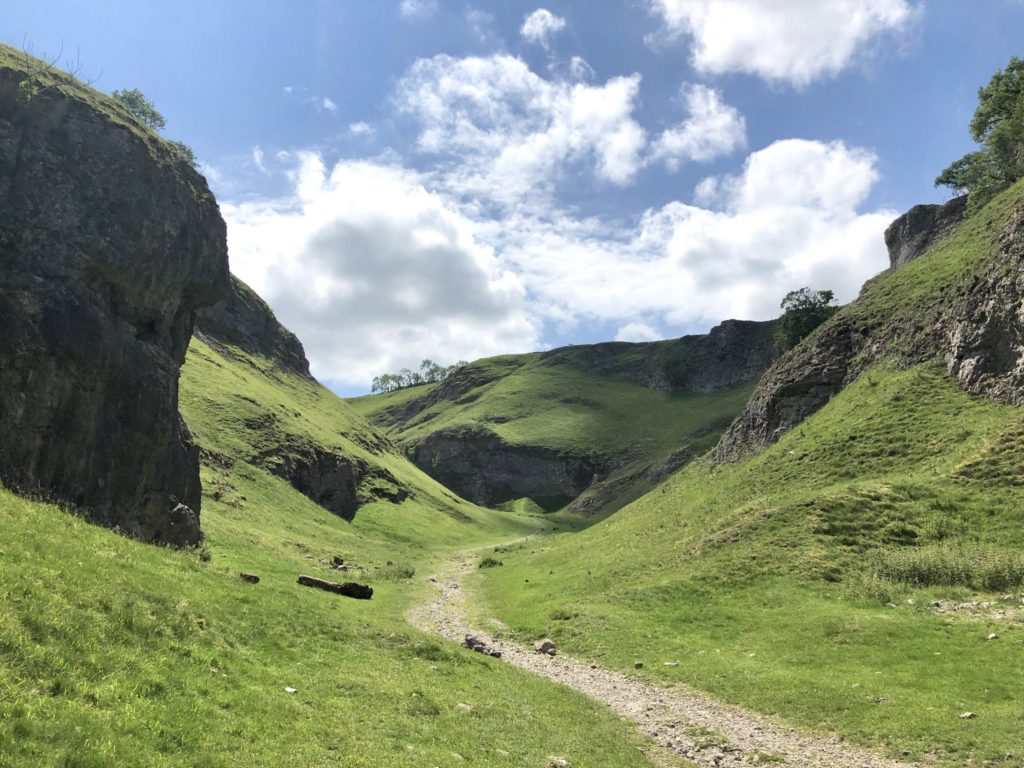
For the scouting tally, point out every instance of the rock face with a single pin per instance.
(920, 227)
(245, 321)
(338, 483)
(109, 243)
(976, 327)
(479, 466)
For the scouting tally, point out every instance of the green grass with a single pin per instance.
(114, 652)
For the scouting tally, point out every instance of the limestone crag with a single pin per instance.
(478, 465)
(244, 320)
(109, 243)
(918, 229)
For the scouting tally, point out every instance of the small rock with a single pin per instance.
(638, 664)
(967, 715)
(289, 689)
(432, 579)
(993, 636)
(558, 762)
(464, 707)
(547, 646)
(671, 664)
(337, 561)
(249, 578)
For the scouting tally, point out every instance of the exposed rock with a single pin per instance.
(474, 643)
(348, 589)
(110, 242)
(337, 482)
(546, 646)
(249, 578)
(922, 226)
(976, 327)
(480, 466)
(244, 320)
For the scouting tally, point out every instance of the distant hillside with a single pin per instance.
(590, 426)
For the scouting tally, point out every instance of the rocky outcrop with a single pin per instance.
(480, 466)
(976, 327)
(109, 243)
(245, 321)
(922, 226)
(339, 483)
(984, 341)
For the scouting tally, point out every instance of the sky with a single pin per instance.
(409, 179)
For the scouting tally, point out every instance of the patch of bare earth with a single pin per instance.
(679, 719)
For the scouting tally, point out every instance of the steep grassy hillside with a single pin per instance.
(114, 652)
(605, 421)
(849, 576)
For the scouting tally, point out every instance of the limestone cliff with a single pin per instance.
(109, 243)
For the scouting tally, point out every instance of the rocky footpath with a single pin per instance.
(679, 720)
(110, 243)
(244, 320)
(975, 327)
(478, 465)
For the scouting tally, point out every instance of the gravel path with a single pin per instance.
(682, 720)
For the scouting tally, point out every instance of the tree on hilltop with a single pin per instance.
(998, 126)
(803, 311)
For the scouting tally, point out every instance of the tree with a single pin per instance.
(803, 311)
(141, 108)
(998, 126)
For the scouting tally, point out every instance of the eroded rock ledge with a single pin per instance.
(109, 243)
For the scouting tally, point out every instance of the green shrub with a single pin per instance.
(490, 562)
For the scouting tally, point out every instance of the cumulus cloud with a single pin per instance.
(785, 221)
(374, 272)
(712, 129)
(417, 9)
(797, 41)
(540, 26)
(637, 331)
(360, 129)
(511, 131)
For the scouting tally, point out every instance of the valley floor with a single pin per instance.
(679, 719)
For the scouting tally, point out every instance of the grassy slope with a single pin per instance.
(118, 653)
(564, 407)
(762, 579)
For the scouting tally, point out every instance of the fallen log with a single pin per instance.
(349, 589)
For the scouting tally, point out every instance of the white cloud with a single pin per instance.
(637, 331)
(540, 26)
(257, 159)
(712, 129)
(374, 272)
(511, 131)
(580, 69)
(417, 9)
(329, 105)
(361, 129)
(796, 41)
(288, 89)
(784, 222)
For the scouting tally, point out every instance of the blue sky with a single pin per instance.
(411, 178)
